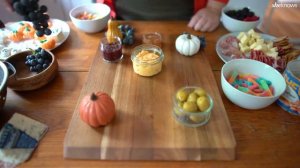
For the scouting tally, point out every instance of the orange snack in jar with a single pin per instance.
(15, 36)
(48, 43)
(28, 32)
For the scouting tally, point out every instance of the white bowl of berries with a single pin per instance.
(239, 20)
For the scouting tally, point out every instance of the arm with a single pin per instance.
(208, 18)
(8, 5)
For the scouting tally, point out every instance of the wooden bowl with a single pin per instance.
(3, 81)
(22, 79)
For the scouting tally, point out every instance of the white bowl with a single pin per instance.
(260, 69)
(91, 26)
(234, 25)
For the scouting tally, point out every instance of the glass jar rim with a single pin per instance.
(152, 34)
(147, 47)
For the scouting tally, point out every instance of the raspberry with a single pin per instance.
(251, 18)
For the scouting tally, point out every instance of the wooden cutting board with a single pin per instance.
(144, 128)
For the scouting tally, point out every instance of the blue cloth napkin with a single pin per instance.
(18, 139)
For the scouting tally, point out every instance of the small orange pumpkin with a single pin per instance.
(97, 109)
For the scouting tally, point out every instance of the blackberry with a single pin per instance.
(31, 11)
(38, 61)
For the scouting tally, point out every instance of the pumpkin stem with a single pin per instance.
(189, 36)
(94, 97)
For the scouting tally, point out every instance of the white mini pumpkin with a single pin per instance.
(187, 44)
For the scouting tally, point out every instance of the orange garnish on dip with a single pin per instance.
(48, 43)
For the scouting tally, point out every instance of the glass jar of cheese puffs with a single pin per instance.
(147, 59)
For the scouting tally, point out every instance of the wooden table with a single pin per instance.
(265, 138)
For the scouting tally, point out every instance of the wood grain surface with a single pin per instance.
(265, 138)
(144, 128)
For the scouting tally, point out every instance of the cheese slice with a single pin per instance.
(250, 32)
(252, 46)
(260, 41)
(241, 34)
(245, 39)
(272, 54)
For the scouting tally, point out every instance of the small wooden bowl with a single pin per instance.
(3, 83)
(22, 79)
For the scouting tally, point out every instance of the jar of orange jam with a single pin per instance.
(147, 59)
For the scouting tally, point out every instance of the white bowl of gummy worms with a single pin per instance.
(251, 84)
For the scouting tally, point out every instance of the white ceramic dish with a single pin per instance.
(245, 66)
(11, 48)
(65, 29)
(226, 58)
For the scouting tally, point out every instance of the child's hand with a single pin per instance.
(205, 20)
